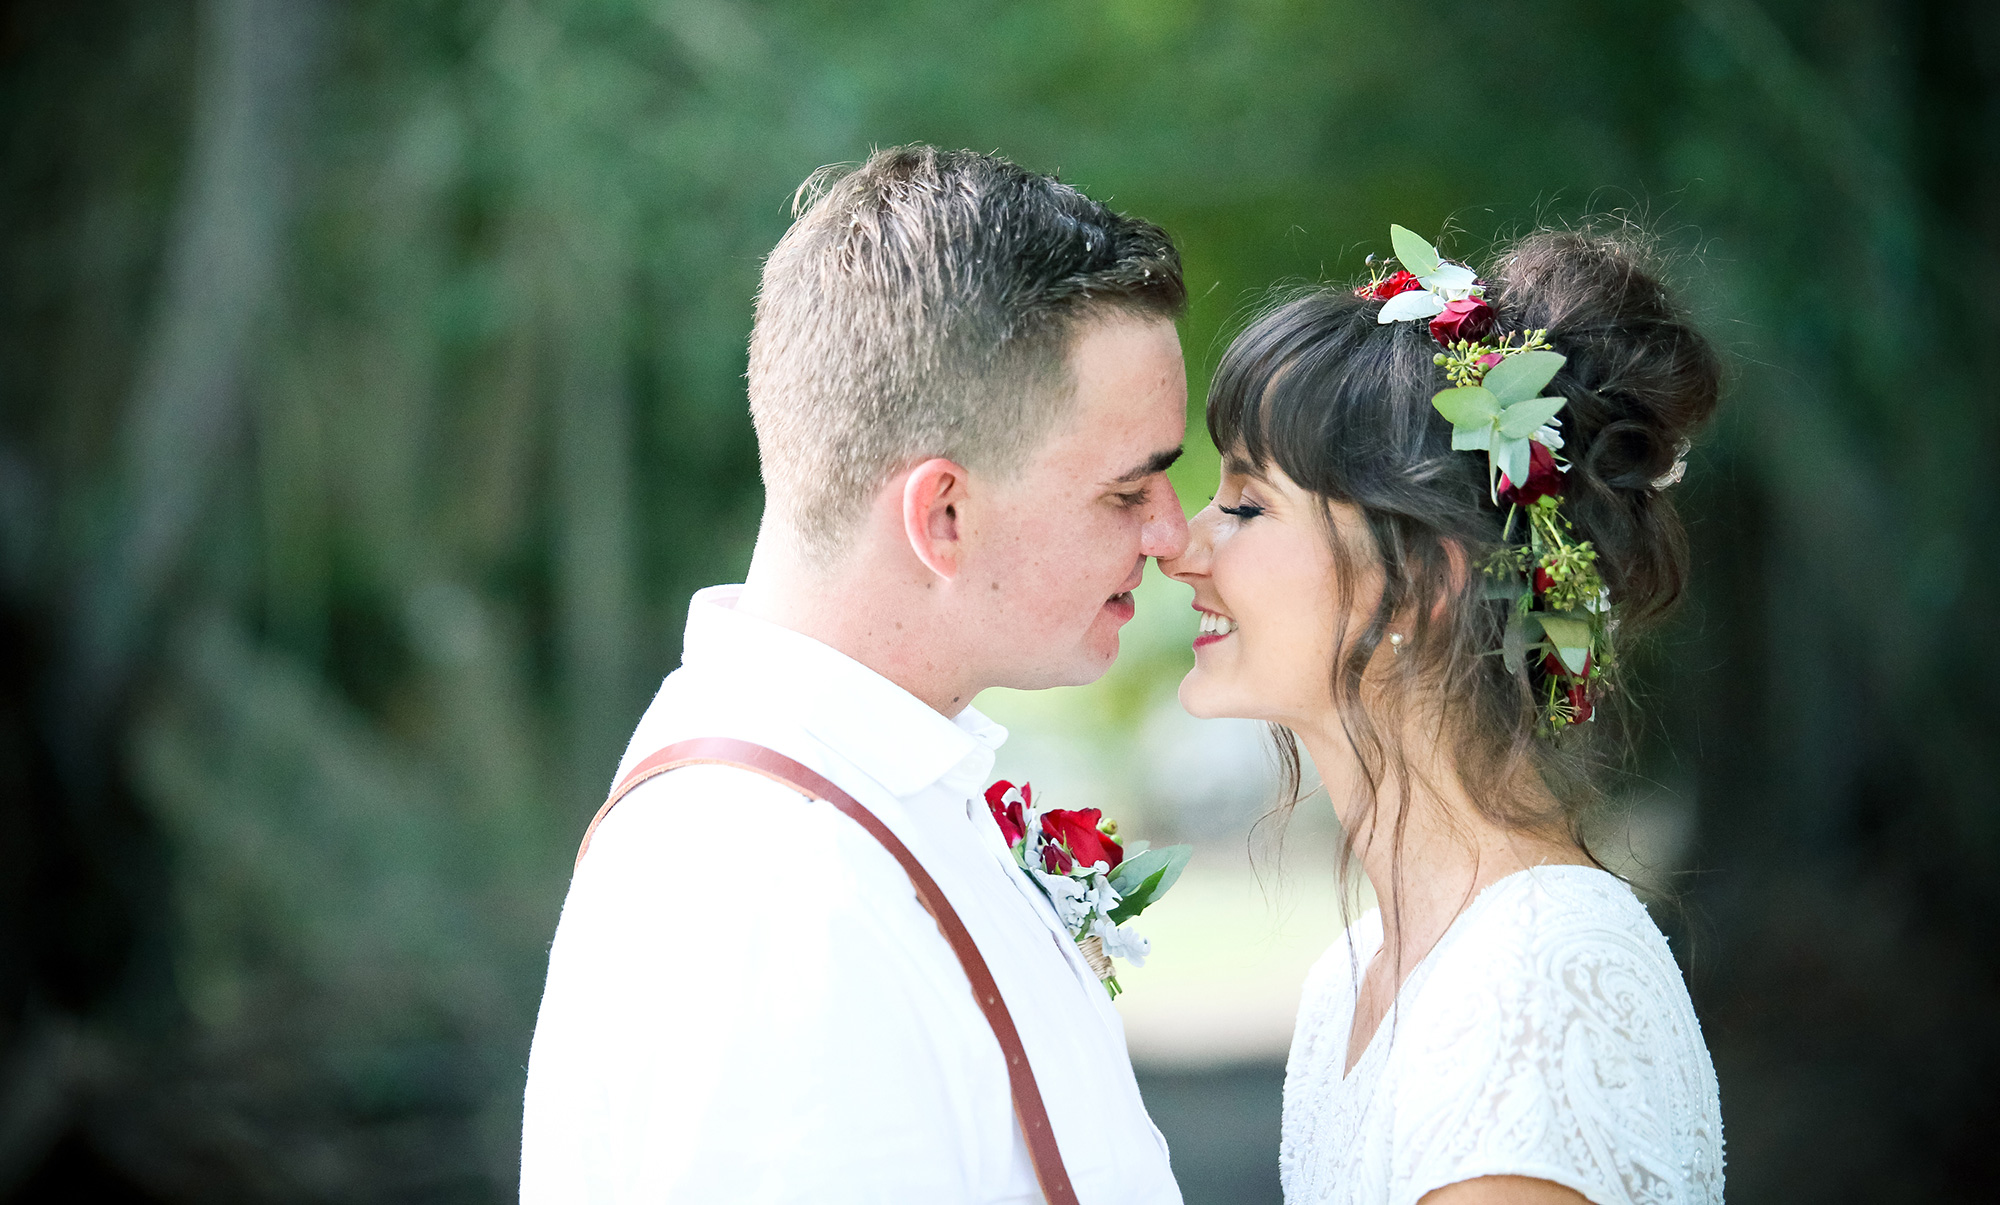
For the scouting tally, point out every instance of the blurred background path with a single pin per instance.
(371, 402)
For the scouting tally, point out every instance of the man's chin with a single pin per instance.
(1086, 664)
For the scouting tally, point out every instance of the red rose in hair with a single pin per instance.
(1467, 318)
(1009, 816)
(1389, 286)
(1077, 832)
(1543, 582)
(1553, 664)
(1579, 702)
(1544, 479)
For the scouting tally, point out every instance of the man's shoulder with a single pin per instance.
(710, 812)
(701, 702)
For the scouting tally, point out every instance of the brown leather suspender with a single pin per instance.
(743, 755)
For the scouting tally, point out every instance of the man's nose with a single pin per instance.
(1165, 535)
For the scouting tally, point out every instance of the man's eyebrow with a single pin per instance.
(1158, 462)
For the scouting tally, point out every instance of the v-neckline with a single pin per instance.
(1354, 1010)
(1421, 970)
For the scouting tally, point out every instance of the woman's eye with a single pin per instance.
(1248, 510)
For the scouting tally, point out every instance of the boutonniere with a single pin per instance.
(1095, 880)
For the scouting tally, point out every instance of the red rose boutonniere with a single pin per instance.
(1095, 881)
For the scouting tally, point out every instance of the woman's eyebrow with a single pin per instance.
(1237, 465)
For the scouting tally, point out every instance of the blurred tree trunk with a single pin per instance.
(91, 901)
(1846, 933)
(372, 387)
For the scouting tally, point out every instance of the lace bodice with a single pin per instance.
(1548, 1034)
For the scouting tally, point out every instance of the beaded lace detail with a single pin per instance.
(1548, 1034)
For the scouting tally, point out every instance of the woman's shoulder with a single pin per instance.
(1555, 1038)
(1538, 925)
(1558, 954)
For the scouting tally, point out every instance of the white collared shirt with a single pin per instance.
(747, 1003)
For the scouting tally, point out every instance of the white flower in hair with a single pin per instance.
(1443, 281)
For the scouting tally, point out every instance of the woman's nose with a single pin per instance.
(1195, 546)
(1165, 534)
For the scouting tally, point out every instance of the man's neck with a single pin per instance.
(882, 616)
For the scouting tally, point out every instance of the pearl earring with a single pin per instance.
(1395, 642)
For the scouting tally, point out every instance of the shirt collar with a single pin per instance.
(883, 730)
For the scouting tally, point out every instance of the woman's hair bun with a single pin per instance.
(1640, 381)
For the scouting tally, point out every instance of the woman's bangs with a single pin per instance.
(1249, 402)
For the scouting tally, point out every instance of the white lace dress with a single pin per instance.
(1548, 1034)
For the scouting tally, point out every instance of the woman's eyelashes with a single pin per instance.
(1243, 510)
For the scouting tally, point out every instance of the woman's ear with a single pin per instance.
(933, 496)
(1460, 569)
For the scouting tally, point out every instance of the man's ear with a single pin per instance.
(933, 498)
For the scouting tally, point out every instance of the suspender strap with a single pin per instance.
(743, 755)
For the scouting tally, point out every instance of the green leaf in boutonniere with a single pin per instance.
(1142, 878)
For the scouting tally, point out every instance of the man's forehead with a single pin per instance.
(1123, 351)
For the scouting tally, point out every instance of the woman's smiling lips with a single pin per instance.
(1214, 627)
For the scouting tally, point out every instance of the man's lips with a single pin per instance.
(1121, 604)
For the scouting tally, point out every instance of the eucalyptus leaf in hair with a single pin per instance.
(1569, 637)
(1473, 406)
(1520, 377)
(1524, 418)
(1417, 256)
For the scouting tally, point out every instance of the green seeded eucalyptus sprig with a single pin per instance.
(1558, 618)
(1465, 363)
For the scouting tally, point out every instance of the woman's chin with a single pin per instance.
(1205, 698)
(1200, 698)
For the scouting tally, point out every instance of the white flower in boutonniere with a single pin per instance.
(1094, 881)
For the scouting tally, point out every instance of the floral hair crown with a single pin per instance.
(1559, 621)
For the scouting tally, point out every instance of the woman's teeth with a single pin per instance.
(1216, 625)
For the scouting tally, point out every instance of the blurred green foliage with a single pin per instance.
(371, 400)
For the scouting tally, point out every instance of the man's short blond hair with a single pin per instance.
(924, 304)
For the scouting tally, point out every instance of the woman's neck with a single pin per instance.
(1449, 850)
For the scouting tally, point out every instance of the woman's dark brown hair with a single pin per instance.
(1341, 403)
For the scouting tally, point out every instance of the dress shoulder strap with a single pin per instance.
(745, 755)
